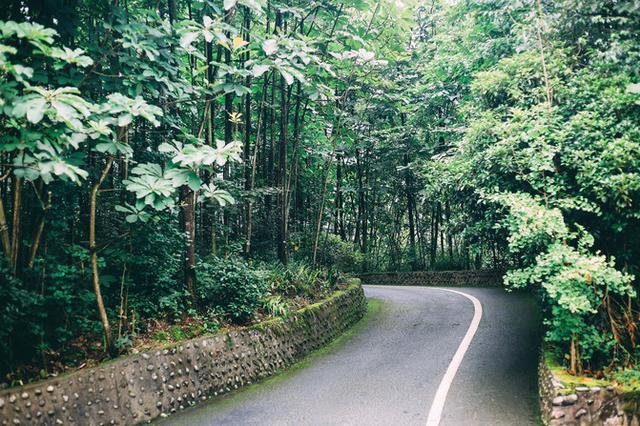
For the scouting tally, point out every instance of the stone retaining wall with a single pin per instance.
(481, 278)
(583, 406)
(141, 387)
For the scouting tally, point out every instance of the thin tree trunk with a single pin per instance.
(254, 164)
(271, 178)
(39, 232)
(297, 126)
(449, 234)
(283, 251)
(248, 172)
(365, 207)
(434, 232)
(318, 226)
(410, 211)
(189, 218)
(547, 85)
(338, 226)
(124, 296)
(228, 125)
(16, 226)
(441, 221)
(104, 319)
(358, 222)
(4, 231)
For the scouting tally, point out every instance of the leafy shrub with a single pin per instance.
(578, 287)
(156, 266)
(67, 308)
(300, 279)
(275, 306)
(581, 290)
(177, 332)
(160, 336)
(457, 263)
(333, 252)
(19, 332)
(628, 377)
(229, 286)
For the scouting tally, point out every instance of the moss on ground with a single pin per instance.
(373, 308)
(569, 381)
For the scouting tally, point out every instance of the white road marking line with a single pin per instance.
(435, 413)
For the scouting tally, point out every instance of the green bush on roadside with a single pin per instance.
(231, 287)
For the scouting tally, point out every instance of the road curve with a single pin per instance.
(388, 373)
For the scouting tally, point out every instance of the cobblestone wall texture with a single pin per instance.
(141, 387)
(480, 278)
(584, 406)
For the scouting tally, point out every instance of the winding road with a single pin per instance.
(427, 356)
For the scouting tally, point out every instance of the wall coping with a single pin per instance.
(448, 271)
(137, 388)
(464, 278)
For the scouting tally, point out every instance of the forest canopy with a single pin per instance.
(196, 162)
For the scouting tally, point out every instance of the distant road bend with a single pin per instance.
(429, 356)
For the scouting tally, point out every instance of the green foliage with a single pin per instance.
(545, 166)
(230, 286)
(335, 253)
(381, 135)
(300, 279)
(177, 333)
(532, 227)
(449, 264)
(155, 261)
(19, 310)
(275, 306)
(160, 336)
(117, 148)
(629, 378)
(575, 284)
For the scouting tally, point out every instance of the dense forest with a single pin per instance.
(171, 167)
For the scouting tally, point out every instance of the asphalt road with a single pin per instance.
(389, 371)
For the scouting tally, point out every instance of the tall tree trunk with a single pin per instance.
(39, 232)
(449, 233)
(16, 225)
(411, 211)
(189, 220)
(547, 86)
(228, 125)
(248, 161)
(271, 156)
(4, 231)
(441, 221)
(361, 217)
(283, 250)
(298, 121)
(435, 218)
(339, 222)
(254, 165)
(365, 206)
(171, 8)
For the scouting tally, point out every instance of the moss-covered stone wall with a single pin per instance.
(565, 404)
(480, 278)
(141, 387)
